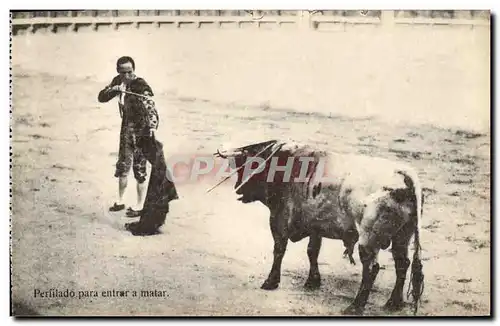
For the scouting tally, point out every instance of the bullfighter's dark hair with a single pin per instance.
(125, 59)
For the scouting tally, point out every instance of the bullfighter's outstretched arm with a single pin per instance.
(106, 94)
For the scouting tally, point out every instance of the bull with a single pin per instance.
(374, 202)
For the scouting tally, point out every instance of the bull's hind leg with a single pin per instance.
(368, 258)
(313, 248)
(400, 243)
(280, 236)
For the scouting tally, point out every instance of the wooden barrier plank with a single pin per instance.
(351, 20)
(189, 12)
(104, 13)
(147, 12)
(441, 21)
(167, 13)
(144, 19)
(230, 12)
(22, 14)
(289, 12)
(86, 13)
(209, 12)
(126, 13)
(45, 20)
(40, 14)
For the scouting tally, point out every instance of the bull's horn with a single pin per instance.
(219, 154)
(278, 146)
(228, 152)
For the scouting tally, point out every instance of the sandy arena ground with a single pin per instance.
(420, 95)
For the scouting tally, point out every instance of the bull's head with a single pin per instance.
(249, 161)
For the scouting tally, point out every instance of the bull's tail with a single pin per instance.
(416, 284)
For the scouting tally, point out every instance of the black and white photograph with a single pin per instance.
(250, 163)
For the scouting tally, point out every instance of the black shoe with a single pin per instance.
(116, 208)
(138, 229)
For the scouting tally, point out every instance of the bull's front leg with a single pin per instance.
(371, 268)
(313, 248)
(279, 231)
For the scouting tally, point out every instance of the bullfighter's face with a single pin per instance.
(126, 72)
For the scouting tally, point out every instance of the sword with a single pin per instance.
(136, 94)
